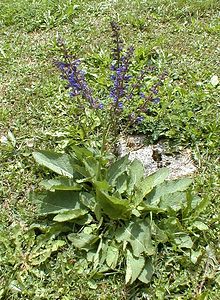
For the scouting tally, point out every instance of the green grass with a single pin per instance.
(179, 36)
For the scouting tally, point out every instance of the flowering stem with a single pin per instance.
(104, 139)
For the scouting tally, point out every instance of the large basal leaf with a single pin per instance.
(147, 184)
(159, 176)
(122, 183)
(91, 166)
(116, 169)
(159, 235)
(114, 207)
(57, 162)
(83, 240)
(175, 201)
(147, 272)
(80, 170)
(70, 215)
(134, 267)
(168, 187)
(55, 202)
(63, 183)
(112, 256)
(136, 173)
(138, 234)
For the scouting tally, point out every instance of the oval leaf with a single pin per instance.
(57, 162)
(134, 266)
(64, 184)
(138, 235)
(54, 202)
(112, 256)
(69, 215)
(82, 240)
(147, 272)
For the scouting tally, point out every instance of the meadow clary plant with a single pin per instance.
(114, 216)
(127, 92)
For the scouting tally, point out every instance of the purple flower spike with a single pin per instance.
(76, 80)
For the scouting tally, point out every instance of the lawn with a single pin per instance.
(180, 37)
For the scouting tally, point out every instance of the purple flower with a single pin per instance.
(154, 90)
(101, 106)
(120, 78)
(156, 100)
(139, 119)
(120, 105)
(142, 95)
(76, 81)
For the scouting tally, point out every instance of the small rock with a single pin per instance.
(153, 157)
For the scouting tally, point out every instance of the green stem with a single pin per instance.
(104, 138)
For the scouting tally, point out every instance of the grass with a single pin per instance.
(181, 36)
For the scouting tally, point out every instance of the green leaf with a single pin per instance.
(195, 255)
(70, 215)
(96, 259)
(183, 241)
(171, 225)
(121, 183)
(158, 177)
(88, 200)
(174, 201)
(116, 169)
(57, 162)
(138, 234)
(151, 208)
(81, 152)
(62, 183)
(147, 272)
(112, 206)
(136, 173)
(134, 267)
(168, 187)
(200, 225)
(160, 235)
(55, 202)
(84, 220)
(82, 240)
(102, 185)
(98, 212)
(147, 184)
(82, 171)
(199, 205)
(91, 166)
(112, 256)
